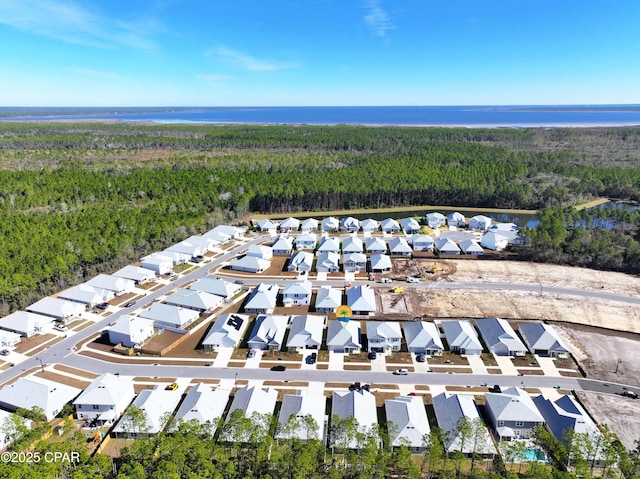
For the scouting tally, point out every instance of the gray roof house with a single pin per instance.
(470, 246)
(283, 246)
(480, 222)
(328, 299)
(543, 340)
(310, 224)
(26, 324)
(156, 404)
(203, 405)
(328, 262)
(329, 245)
(435, 220)
(512, 414)
(306, 241)
(376, 246)
(461, 337)
(330, 224)
(290, 224)
(344, 337)
(262, 299)
(352, 244)
(446, 246)
(87, 295)
(295, 293)
(361, 300)
(136, 274)
(500, 337)
(380, 263)
(167, 315)
(389, 226)
(450, 410)
(410, 225)
(31, 391)
(409, 417)
(250, 264)
(118, 285)
(361, 405)
(131, 331)
(301, 406)
(456, 219)
(227, 331)
(300, 261)
(216, 286)
(354, 262)
(423, 338)
(369, 225)
(350, 224)
(399, 247)
(196, 300)
(268, 332)
(105, 399)
(254, 402)
(306, 332)
(383, 336)
(422, 242)
(267, 225)
(260, 251)
(58, 309)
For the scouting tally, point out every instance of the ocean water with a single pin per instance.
(469, 116)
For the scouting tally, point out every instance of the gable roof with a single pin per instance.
(328, 259)
(350, 223)
(107, 390)
(112, 283)
(355, 258)
(290, 223)
(409, 224)
(422, 239)
(85, 294)
(513, 404)
(130, 325)
(399, 245)
(340, 334)
(361, 298)
(297, 287)
(361, 405)
(170, 315)
(204, 405)
(352, 245)
(383, 330)
(260, 251)
(283, 243)
(370, 224)
(460, 334)
(306, 330)
(227, 330)
(497, 332)
(31, 391)
(389, 224)
(309, 224)
(376, 244)
(254, 399)
(156, 403)
(302, 405)
(470, 246)
(330, 223)
(328, 298)
(190, 298)
(380, 261)
(301, 258)
(329, 244)
(56, 308)
(422, 334)
(541, 336)
(409, 416)
(252, 263)
(25, 323)
(217, 286)
(263, 296)
(446, 244)
(269, 329)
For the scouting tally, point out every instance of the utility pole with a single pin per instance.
(42, 365)
(618, 365)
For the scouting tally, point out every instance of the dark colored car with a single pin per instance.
(129, 304)
(279, 368)
(372, 355)
(420, 358)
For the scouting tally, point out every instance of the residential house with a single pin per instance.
(26, 324)
(227, 331)
(328, 262)
(9, 435)
(361, 300)
(295, 293)
(542, 339)
(8, 340)
(268, 332)
(191, 249)
(422, 242)
(472, 247)
(301, 261)
(262, 299)
(512, 414)
(451, 410)
(266, 225)
(344, 337)
(376, 246)
(480, 222)
(435, 220)
(354, 263)
(234, 232)
(461, 337)
(306, 241)
(352, 244)
(446, 246)
(380, 263)
(87, 295)
(219, 287)
(204, 406)
(58, 309)
(295, 412)
(130, 331)
(330, 225)
(136, 274)
(350, 224)
(399, 247)
(161, 265)
(410, 225)
(494, 240)
(283, 246)
(456, 219)
(370, 225)
(193, 299)
(308, 225)
(306, 332)
(328, 299)
(408, 422)
(383, 336)
(34, 391)
(256, 403)
(250, 264)
(423, 338)
(290, 224)
(157, 405)
(500, 337)
(105, 399)
(390, 226)
(511, 231)
(166, 315)
(329, 245)
(260, 251)
(359, 404)
(119, 286)
(176, 257)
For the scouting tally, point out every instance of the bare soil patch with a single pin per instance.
(59, 378)
(74, 371)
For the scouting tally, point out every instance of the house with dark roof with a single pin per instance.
(543, 340)
(500, 337)
(512, 413)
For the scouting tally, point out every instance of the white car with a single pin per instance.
(401, 372)
(60, 327)
(385, 280)
(411, 279)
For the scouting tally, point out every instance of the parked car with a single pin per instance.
(102, 305)
(60, 327)
(372, 355)
(420, 358)
(172, 387)
(279, 368)
(385, 280)
(251, 353)
(129, 304)
(411, 279)
(4, 352)
(495, 389)
(629, 394)
(401, 372)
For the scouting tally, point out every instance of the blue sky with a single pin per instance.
(318, 52)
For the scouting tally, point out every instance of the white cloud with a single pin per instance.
(73, 22)
(377, 19)
(244, 61)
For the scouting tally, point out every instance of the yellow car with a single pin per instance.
(172, 387)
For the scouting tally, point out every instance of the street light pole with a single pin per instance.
(41, 365)
(617, 365)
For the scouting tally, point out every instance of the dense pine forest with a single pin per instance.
(81, 198)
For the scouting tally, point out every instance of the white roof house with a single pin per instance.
(370, 225)
(290, 224)
(328, 262)
(26, 324)
(354, 262)
(158, 263)
(380, 262)
(295, 293)
(383, 336)
(330, 224)
(136, 274)
(176, 257)
(7, 436)
(131, 331)
(156, 404)
(250, 264)
(500, 337)
(450, 410)
(494, 240)
(328, 299)
(456, 219)
(306, 332)
(390, 225)
(376, 246)
(435, 220)
(262, 299)
(105, 399)
(193, 299)
(329, 245)
(116, 284)
(352, 245)
(470, 246)
(344, 337)
(410, 225)
(31, 391)
(300, 261)
(59, 309)
(203, 405)
(87, 295)
(410, 423)
(446, 246)
(512, 413)
(231, 231)
(268, 332)
(282, 246)
(8, 339)
(361, 405)
(461, 337)
(301, 406)
(306, 241)
(267, 225)
(399, 247)
(310, 224)
(168, 315)
(543, 340)
(423, 337)
(227, 331)
(190, 249)
(480, 222)
(361, 300)
(350, 224)
(251, 400)
(217, 286)
(422, 242)
(260, 251)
